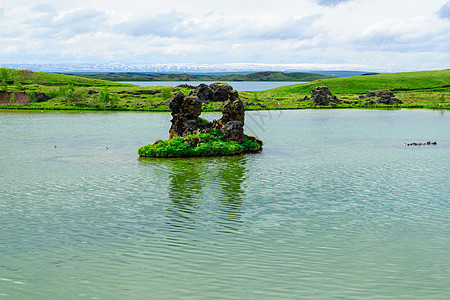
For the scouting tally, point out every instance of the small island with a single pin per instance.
(191, 136)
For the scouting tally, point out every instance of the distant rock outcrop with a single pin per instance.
(420, 144)
(303, 99)
(322, 96)
(187, 86)
(384, 97)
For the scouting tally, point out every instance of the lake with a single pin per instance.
(335, 206)
(237, 85)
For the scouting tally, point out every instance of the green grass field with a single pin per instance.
(426, 89)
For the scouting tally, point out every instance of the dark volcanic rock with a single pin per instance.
(387, 97)
(41, 97)
(204, 93)
(185, 113)
(187, 86)
(233, 114)
(216, 92)
(233, 131)
(233, 111)
(321, 95)
(384, 97)
(186, 110)
(421, 144)
(304, 99)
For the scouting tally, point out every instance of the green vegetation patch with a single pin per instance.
(203, 144)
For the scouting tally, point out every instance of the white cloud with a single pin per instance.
(417, 35)
(444, 11)
(10, 50)
(285, 31)
(330, 2)
(163, 25)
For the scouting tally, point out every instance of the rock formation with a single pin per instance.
(199, 137)
(233, 111)
(322, 96)
(216, 92)
(420, 144)
(303, 99)
(185, 112)
(233, 131)
(384, 97)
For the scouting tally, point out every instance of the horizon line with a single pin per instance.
(197, 67)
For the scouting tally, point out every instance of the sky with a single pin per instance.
(394, 35)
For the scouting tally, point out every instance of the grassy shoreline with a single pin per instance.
(23, 90)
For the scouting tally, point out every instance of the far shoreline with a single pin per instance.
(27, 90)
(68, 110)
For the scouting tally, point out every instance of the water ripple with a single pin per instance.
(308, 218)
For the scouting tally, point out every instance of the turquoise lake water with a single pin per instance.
(335, 206)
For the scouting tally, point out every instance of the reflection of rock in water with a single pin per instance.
(185, 190)
(216, 180)
(232, 177)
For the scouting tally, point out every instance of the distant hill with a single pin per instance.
(259, 76)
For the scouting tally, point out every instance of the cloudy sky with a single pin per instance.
(385, 34)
